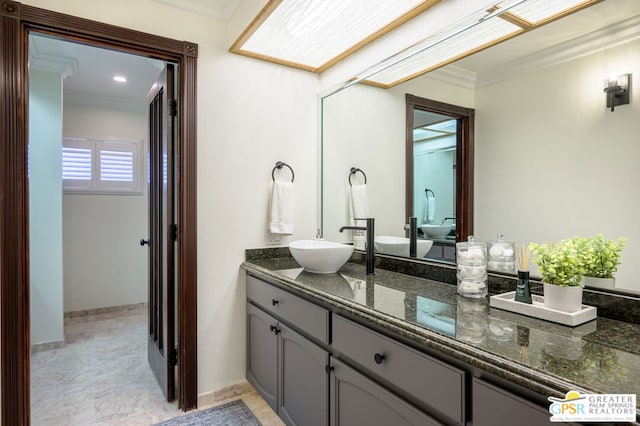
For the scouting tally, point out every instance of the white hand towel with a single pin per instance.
(359, 206)
(282, 208)
(431, 209)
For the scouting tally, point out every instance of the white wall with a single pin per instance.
(250, 115)
(104, 264)
(564, 165)
(45, 206)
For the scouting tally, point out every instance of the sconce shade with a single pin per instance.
(618, 91)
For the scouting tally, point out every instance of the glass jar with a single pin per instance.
(502, 255)
(471, 257)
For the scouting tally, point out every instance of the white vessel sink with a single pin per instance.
(319, 256)
(399, 246)
(436, 231)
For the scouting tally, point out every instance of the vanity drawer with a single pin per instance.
(301, 314)
(435, 384)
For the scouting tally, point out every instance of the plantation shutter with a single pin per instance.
(99, 166)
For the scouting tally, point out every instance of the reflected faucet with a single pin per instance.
(370, 256)
(448, 218)
(412, 227)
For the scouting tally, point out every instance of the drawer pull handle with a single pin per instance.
(274, 302)
(275, 329)
(378, 358)
(328, 369)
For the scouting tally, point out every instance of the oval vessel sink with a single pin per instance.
(399, 246)
(436, 231)
(319, 256)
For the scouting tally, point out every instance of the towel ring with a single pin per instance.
(279, 165)
(427, 191)
(355, 170)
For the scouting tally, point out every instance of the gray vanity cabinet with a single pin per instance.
(357, 400)
(284, 365)
(442, 251)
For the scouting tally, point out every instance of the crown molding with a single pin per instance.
(455, 75)
(63, 65)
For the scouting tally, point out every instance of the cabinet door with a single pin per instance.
(304, 383)
(262, 355)
(356, 400)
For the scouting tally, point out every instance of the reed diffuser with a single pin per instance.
(523, 292)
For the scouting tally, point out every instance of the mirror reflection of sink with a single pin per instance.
(319, 256)
(436, 231)
(399, 246)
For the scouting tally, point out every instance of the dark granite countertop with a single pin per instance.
(601, 356)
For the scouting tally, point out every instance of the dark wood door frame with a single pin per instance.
(464, 159)
(16, 21)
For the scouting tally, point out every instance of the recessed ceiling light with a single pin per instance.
(120, 78)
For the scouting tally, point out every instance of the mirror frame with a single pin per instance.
(464, 159)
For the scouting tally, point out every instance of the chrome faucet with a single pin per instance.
(412, 227)
(370, 248)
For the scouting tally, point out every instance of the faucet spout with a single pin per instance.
(370, 247)
(448, 218)
(355, 228)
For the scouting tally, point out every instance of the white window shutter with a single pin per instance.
(116, 166)
(101, 166)
(76, 163)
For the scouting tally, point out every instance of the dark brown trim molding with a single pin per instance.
(14, 220)
(16, 21)
(464, 159)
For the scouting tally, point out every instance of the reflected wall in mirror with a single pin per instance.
(439, 171)
(550, 162)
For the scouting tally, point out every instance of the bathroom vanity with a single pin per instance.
(352, 349)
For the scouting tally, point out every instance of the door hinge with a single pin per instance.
(173, 357)
(173, 232)
(173, 108)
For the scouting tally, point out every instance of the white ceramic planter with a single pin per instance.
(561, 298)
(594, 282)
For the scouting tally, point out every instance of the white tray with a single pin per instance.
(507, 302)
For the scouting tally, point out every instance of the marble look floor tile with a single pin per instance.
(101, 376)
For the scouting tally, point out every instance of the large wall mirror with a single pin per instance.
(551, 161)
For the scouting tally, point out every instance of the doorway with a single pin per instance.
(87, 106)
(16, 22)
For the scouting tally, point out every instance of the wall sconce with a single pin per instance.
(617, 90)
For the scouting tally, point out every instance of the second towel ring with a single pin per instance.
(279, 165)
(355, 170)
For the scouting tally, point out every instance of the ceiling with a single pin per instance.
(218, 9)
(89, 71)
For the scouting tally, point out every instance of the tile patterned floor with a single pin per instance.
(101, 377)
